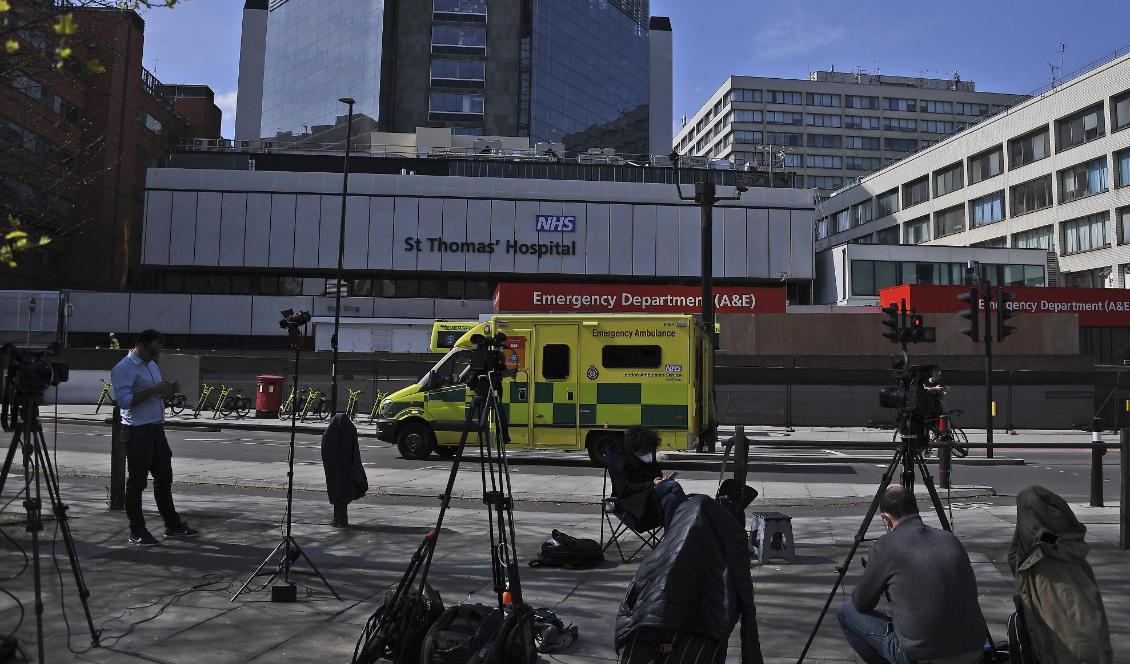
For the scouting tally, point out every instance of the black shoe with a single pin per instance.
(339, 523)
(183, 532)
(143, 539)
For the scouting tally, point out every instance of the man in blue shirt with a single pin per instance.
(140, 390)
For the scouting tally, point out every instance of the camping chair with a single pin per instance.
(625, 522)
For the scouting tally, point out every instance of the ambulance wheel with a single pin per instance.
(446, 451)
(600, 445)
(415, 441)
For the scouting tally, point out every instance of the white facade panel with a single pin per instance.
(596, 238)
(307, 225)
(330, 231)
(666, 241)
(182, 240)
(356, 233)
(575, 263)
(430, 230)
(208, 206)
(619, 239)
(478, 230)
(383, 238)
(734, 244)
(233, 229)
(502, 215)
(643, 240)
(283, 208)
(158, 225)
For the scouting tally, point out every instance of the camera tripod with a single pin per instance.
(21, 416)
(909, 456)
(288, 547)
(484, 416)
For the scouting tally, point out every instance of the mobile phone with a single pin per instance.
(673, 475)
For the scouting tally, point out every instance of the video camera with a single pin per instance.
(28, 374)
(910, 397)
(486, 359)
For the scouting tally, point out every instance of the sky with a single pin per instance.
(1002, 45)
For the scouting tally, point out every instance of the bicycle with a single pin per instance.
(232, 400)
(351, 404)
(376, 406)
(316, 404)
(287, 406)
(224, 392)
(944, 433)
(205, 393)
(106, 393)
(176, 403)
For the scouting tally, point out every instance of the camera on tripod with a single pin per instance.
(30, 373)
(485, 359)
(910, 397)
(291, 321)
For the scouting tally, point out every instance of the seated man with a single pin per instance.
(641, 488)
(931, 594)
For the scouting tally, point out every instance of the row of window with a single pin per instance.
(203, 283)
(869, 277)
(43, 201)
(464, 104)
(18, 135)
(857, 101)
(471, 39)
(460, 7)
(46, 97)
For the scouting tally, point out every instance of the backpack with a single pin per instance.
(459, 633)
(550, 632)
(562, 550)
(420, 611)
(1019, 647)
(514, 641)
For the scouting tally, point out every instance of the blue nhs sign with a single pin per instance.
(557, 223)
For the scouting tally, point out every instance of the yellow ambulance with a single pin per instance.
(575, 382)
(446, 332)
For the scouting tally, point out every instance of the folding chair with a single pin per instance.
(625, 522)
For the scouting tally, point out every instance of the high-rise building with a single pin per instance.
(584, 73)
(834, 126)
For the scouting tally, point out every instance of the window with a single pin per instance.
(822, 228)
(1030, 196)
(782, 138)
(821, 120)
(1086, 233)
(916, 192)
(790, 160)
(949, 179)
(1120, 111)
(949, 221)
(900, 144)
(741, 95)
(782, 117)
(863, 163)
(870, 277)
(887, 203)
(862, 142)
(971, 109)
(1030, 147)
(825, 141)
(718, 107)
(905, 105)
(467, 131)
(823, 161)
(841, 221)
(1037, 238)
(42, 94)
(445, 35)
(151, 123)
(1083, 180)
(861, 122)
(1079, 128)
(937, 126)
(745, 116)
(994, 243)
(900, 124)
(862, 213)
(825, 182)
(858, 101)
(1123, 216)
(783, 97)
(823, 100)
(459, 70)
(986, 165)
(442, 102)
(917, 231)
(936, 106)
(631, 357)
(986, 209)
(555, 361)
(887, 235)
(478, 7)
(751, 137)
(1122, 168)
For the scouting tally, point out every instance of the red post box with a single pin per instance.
(268, 395)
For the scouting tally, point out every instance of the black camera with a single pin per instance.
(911, 398)
(292, 321)
(486, 359)
(30, 371)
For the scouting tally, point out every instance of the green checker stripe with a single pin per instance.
(565, 413)
(515, 392)
(663, 416)
(619, 393)
(543, 393)
(455, 395)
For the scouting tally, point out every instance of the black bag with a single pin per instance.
(514, 641)
(1019, 648)
(562, 550)
(459, 633)
(420, 611)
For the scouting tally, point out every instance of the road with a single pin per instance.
(1065, 471)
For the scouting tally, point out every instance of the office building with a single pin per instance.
(1050, 173)
(76, 144)
(582, 73)
(834, 126)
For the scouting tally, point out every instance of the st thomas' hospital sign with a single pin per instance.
(544, 223)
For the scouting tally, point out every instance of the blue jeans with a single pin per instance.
(870, 634)
(670, 497)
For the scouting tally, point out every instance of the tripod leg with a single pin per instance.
(258, 569)
(315, 568)
(928, 480)
(8, 461)
(860, 536)
(51, 479)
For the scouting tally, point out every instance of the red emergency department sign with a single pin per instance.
(634, 298)
(1096, 307)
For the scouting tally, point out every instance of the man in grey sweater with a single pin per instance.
(931, 594)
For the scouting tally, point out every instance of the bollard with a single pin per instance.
(741, 455)
(117, 463)
(1123, 513)
(1098, 449)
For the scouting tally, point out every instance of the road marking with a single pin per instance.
(205, 440)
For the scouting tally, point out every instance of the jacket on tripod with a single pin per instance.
(341, 457)
(1056, 588)
(697, 581)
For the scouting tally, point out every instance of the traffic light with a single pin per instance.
(918, 333)
(973, 314)
(892, 322)
(1003, 314)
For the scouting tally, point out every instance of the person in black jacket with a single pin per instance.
(345, 474)
(641, 489)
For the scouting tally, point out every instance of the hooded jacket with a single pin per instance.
(341, 458)
(696, 581)
(633, 483)
(1060, 599)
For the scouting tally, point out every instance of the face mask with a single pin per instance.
(646, 458)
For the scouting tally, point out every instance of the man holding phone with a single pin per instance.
(140, 389)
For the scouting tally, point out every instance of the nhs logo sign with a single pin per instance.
(556, 223)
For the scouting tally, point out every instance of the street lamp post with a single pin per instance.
(341, 250)
(30, 312)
